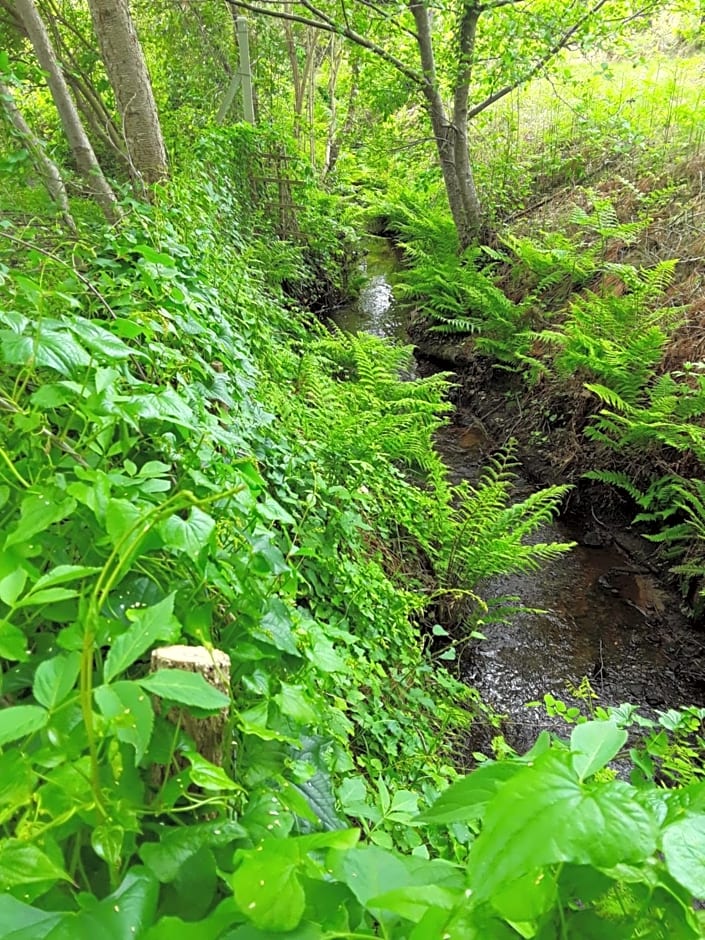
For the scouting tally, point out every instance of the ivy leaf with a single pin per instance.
(190, 535)
(18, 722)
(130, 712)
(55, 678)
(185, 688)
(22, 863)
(152, 624)
(594, 744)
(176, 846)
(545, 814)
(684, 851)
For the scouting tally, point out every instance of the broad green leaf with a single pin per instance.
(466, 799)
(52, 595)
(55, 678)
(177, 845)
(150, 624)
(129, 709)
(21, 720)
(11, 585)
(276, 627)
(189, 535)
(594, 744)
(370, 871)
(209, 776)
(295, 703)
(211, 928)
(412, 902)
(62, 574)
(266, 885)
(101, 341)
(51, 348)
(107, 841)
(20, 921)
(684, 851)
(13, 642)
(545, 814)
(37, 513)
(125, 913)
(23, 863)
(186, 688)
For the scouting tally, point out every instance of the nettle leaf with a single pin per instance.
(185, 688)
(18, 722)
(466, 799)
(190, 535)
(594, 744)
(47, 596)
(151, 624)
(545, 814)
(55, 678)
(101, 341)
(37, 513)
(22, 863)
(176, 846)
(130, 712)
(684, 851)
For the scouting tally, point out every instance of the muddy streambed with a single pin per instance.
(605, 613)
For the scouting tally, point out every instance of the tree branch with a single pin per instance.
(538, 65)
(327, 25)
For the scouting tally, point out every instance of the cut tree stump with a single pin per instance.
(209, 734)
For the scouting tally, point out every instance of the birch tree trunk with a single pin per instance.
(45, 166)
(129, 78)
(81, 148)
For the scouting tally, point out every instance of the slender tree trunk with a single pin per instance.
(333, 152)
(127, 71)
(47, 169)
(451, 133)
(81, 148)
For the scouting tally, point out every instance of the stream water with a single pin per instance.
(604, 615)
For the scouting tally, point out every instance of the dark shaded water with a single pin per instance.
(604, 615)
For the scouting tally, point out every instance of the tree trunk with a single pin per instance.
(81, 148)
(127, 71)
(451, 140)
(46, 167)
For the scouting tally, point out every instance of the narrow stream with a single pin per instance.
(604, 616)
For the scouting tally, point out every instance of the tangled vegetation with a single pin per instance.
(188, 457)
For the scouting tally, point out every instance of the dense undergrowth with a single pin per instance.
(186, 459)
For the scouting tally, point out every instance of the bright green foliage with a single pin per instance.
(561, 849)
